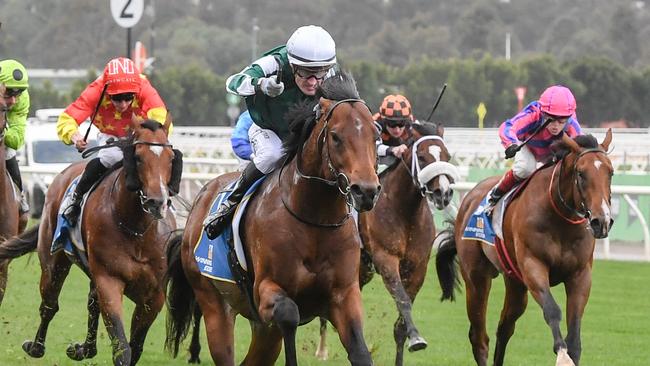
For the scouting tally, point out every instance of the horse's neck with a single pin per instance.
(126, 204)
(407, 192)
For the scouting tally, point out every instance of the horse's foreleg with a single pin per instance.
(277, 307)
(477, 288)
(388, 267)
(321, 351)
(266, 343)
(577, 293)
(219, 321)
(88, 349)
(52, 277)
(109, 293)
(346, 316)
(144, 314)
(4, 273)
(195, 343)
(514, 306)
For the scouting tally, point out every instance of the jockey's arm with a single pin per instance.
(16, 121)
(243, 83)
(77, 112)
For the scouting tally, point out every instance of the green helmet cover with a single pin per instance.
(13, 74)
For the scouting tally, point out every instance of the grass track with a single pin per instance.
(616, 326)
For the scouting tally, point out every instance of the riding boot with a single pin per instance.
(217, 221)
(14, 173)
(506, 183)
(94, 170)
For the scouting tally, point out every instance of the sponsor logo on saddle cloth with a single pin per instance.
(68, 237)
(484, 226)
(213, 256)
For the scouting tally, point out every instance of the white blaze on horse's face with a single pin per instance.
(358, 124)
(435, 150)
(597, 164)
(156, 150)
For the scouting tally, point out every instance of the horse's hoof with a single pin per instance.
(416, 344)
(563, 358)
(194, 359)
(80, 352)
(34, 349)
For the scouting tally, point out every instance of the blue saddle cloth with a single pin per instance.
(479, 226)
(212, 256)
(63, 233)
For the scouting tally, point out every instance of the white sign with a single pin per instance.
(127, 13)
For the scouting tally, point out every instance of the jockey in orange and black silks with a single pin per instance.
(117, 95)
(394, 118)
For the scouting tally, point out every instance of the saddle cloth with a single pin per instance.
(213, 256)
(68, 237)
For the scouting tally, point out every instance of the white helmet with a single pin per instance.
(311, 46)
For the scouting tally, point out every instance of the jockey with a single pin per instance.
(540, 123)
(14, 77)
(394, 118)
(117, 95)
(308, 57)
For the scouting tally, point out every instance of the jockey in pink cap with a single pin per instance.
(531, 133)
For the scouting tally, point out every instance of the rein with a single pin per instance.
(583, 213)
(342, 182)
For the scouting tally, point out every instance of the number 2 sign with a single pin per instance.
(127, 13)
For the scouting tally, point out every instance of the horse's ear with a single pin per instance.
(168, 123)
(324, 106)
(440, 129)
(568, 141)
(607, 140)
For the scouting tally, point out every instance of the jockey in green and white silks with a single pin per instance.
(282, 77)
(13, 76)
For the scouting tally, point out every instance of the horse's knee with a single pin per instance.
(47, 311)
(286, 314)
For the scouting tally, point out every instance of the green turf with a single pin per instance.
(616, 325)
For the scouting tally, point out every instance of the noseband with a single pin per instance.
(583, 212)
(419, 174)
(141, 194)
(341, 181)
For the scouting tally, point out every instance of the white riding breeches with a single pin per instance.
(109, 156)
(525, 163)
(9, 153)
(267, 148)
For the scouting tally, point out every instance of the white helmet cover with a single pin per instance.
(311, 46)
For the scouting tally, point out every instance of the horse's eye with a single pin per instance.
(336, 139)
(137, 159)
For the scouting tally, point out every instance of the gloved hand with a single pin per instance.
(511, 151)
(271, 87)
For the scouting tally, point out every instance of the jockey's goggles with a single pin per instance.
(394, 124)
(124, 97)
(306, 73)
(13, 92)
(559, 119)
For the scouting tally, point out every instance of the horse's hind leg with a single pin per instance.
(143, 316)
(219, 321)
(88, 349)
(514, 306)
(52, 277)
(265, 346)
(195, 344)
(4, 273)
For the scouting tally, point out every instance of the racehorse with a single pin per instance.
(549, 233)
(125, 226)
(398, 233)
(11, 222)
(301, 243)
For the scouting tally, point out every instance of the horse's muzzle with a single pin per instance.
(364, 196)
(440, 198)
(600, 227)
(155, 207)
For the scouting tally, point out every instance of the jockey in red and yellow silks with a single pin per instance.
(118, 94)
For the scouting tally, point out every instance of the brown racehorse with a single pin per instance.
(549, 231)
(11, 222)
(125, 225)
(302, 245)
(399, 232)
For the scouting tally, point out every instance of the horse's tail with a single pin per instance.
(181, 302)
(19, 245)
(446, 263)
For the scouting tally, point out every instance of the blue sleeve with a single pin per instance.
(239, 139)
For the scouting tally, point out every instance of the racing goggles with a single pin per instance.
(124, 97)
(13, 92)
(306, 73)
(393, 124)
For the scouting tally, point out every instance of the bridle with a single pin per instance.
(421, 176)
(341, 181)
(141, 194)
(582, 212)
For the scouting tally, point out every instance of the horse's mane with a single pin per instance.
(302, 116)
(425, 128)
(560, 149)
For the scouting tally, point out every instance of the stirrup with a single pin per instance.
(72, 212)
(24, 205)
(217, 221)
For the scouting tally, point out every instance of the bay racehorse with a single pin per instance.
(549, 233)
(301, 243)
(11, 222)
(125, 226)
(398, 233)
